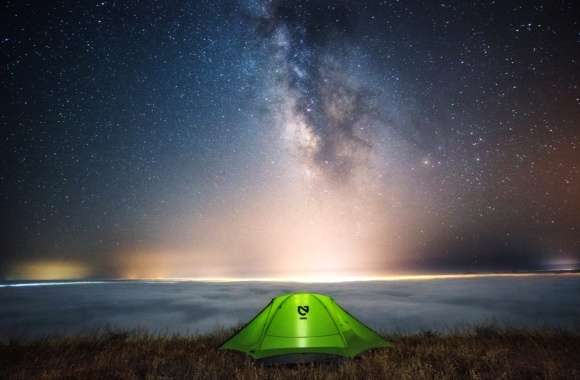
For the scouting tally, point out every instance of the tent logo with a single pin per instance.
(303, 310)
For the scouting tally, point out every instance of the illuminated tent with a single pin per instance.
(303, 326)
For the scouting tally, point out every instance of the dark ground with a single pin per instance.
(477, 353)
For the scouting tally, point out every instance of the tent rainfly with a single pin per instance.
(301, 327)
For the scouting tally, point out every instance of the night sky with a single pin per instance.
(288, 138)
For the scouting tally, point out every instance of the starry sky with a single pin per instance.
(277, 138)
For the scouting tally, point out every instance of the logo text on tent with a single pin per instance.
(303, 310)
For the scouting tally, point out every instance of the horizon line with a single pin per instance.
(289, 279)
(385, 278)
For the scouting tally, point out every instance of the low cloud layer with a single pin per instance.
(404, 306)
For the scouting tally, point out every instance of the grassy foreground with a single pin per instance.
(478, 353)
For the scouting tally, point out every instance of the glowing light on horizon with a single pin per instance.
(345, 279)
(298, 280)
(59, 283)
(49, 270)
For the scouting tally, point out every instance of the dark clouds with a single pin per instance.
(487, 251)
(404, 306)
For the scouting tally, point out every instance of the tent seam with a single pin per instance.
(332, 319)
(271, 319)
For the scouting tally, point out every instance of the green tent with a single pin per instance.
(308, 325)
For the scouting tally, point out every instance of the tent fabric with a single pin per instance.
(304, 323)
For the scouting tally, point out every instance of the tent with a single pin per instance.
(304, 325)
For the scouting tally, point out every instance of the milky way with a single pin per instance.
(332, 112)
(289, 138)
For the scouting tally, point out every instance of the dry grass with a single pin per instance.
(479, 353)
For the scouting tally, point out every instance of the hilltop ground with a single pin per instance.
(478, 353)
